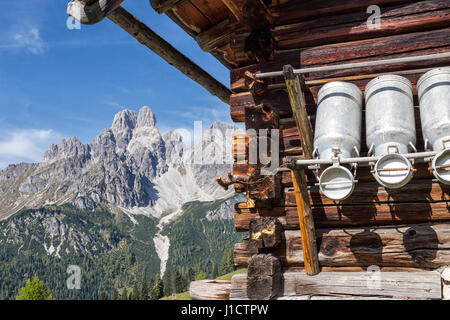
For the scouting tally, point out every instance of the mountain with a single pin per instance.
(130, 195)
(129, 167)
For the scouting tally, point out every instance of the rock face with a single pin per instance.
(129, 167)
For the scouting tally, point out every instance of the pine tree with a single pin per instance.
(124, 294)
(34, 289)
(191, 274)
(135, 293)
(215, 272)
(227, 262)
(180, 282)
(144, 289)
(168, 284)
(157, 290)
(201, 275)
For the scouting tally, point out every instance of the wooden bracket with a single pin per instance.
(227, 182)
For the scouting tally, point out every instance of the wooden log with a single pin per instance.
(396, 46)
(416, 246)
(420, 190)
(210, 290)
(289, 12)
(306, 220)
(354, 215)
(390, 45)
(418, 16)
(264, 277)
(265, 233)
(154, 42)
(161, 6)
(351, 285)
(250, 13)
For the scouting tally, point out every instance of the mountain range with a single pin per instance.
(136, 179)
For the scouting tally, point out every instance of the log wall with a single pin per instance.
(319, 34)
(409, 227)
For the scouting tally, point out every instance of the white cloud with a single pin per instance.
(25, 145)
(30, 41)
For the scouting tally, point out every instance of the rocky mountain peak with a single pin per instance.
(125, 119)
(146, 118)
(129, 166)
(71, 147)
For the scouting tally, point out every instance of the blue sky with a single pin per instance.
(56, 83)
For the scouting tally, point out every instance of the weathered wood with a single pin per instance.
(418, 16)
(91, 12)
(154, 42)
(416, 246)
(396, 46)
(265, 233)
(313, 9)
(210, 290)
(263, 277)
(352, 215)
(250, 13)
(446, 283)
(306, 220)
(161, 6)
(299, 110)
(351, 285)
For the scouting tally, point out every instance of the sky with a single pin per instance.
(57, 82)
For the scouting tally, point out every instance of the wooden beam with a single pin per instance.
(210, 290)
(264, 277)
(165, 50)
(250, 12)
(91, 11)
(352, 285)
(298, 176)
(424, 245)
(162, 6)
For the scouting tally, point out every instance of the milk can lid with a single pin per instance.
(336, 183)
(441, 166)
(393, 171)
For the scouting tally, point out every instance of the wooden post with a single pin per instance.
(306, 220)
(264, 277)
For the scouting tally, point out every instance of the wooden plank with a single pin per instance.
(162, 6)
(191, 16)
(263, 277)
(347, 51)
(292, 11)
(416, 246)
(418, 16)
(210, 290)
(351, 286)
(306, 220)
(403, 45)
(422, 190)
(249, 12)
(376, 214)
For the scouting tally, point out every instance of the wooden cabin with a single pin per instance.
(403, 233)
